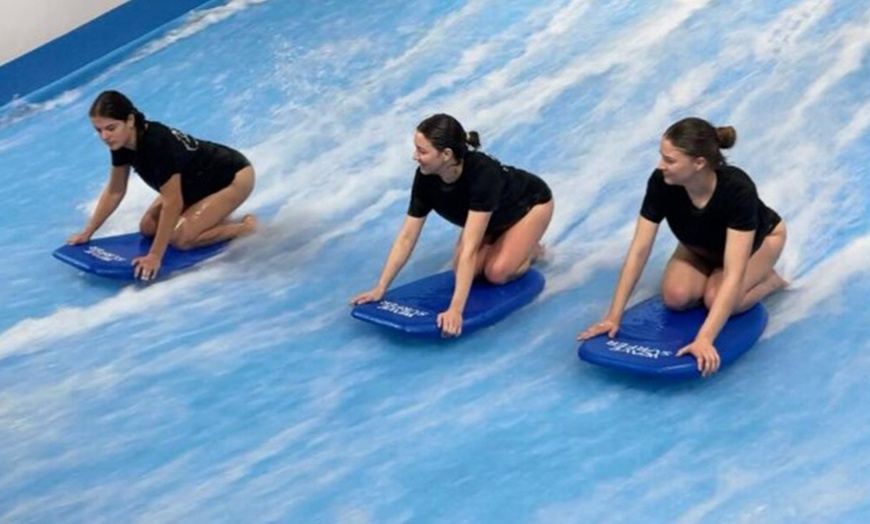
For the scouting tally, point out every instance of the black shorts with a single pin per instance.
(218, 174)
(717, 260)
(539, 193)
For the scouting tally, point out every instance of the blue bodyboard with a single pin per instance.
(650, 336)
(112, 257)
(413, 308)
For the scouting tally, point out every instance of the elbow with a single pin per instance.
(405, 244)
(173, 206)
(117, 195)
(639, 256)
(643, 254)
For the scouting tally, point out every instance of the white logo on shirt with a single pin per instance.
(187, 141)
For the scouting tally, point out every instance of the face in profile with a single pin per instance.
(676, 166)
(116, 134)
(430, 159)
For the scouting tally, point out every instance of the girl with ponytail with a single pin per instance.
(728, 239)
(200, 183)
(503, 212)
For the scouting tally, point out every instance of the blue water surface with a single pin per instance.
(242, 391)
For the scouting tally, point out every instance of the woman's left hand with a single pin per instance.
(706, 355)
(146, 267)
(450, 322)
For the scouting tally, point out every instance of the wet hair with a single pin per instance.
(698, 138)
(112, 104)
(444, 131)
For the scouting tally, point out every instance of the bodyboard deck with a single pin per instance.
(112, 257)
(650, 336)
(414, 307)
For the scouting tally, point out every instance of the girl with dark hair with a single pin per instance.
(200, 183)
(503, 212)
(728, 239)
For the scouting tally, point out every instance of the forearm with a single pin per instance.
(721, 309)
(399, 254)
(638, 253)
(106, 205)
(628, 277)
(738, 250)
(463, 279)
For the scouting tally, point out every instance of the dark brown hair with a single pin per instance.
(112, 104)
(698, 138)
(444, 131)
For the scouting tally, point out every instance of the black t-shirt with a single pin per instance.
(161, 152)
(485, 185)
(734, 204)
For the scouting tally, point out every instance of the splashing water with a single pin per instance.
(243, 391)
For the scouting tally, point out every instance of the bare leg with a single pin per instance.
(773, 282)
(761, 279)
(205, 222)
(515, 250)
(481, 255)
(148, 223)
(684, 280)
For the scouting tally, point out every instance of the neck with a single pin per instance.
(701, 186)
(133, 141)
(451, 173)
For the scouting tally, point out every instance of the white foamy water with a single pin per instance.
(242, 391)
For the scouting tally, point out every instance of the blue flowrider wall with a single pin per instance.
(82, 46)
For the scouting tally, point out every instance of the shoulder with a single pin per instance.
(656, 180)
(733, 173)
(163, 137)
(421, 181)
(483, 168)
(163, 131)
(658, 190)
(152, 127)
(735, 178)
(478, 160)
(155, 133)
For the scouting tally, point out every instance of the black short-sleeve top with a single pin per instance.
(485, 185)
(735, 204)
(205, 167)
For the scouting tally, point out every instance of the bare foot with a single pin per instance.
(249, 224)
(777, 282)
(772, 283)
(538, 254)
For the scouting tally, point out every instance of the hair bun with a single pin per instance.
(473, 139)
(726, 136)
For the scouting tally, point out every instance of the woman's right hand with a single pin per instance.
(372, 295)
(605, 326)
(78, 238)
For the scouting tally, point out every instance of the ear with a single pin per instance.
(699, 163)
(448, 153)
(131, 120)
